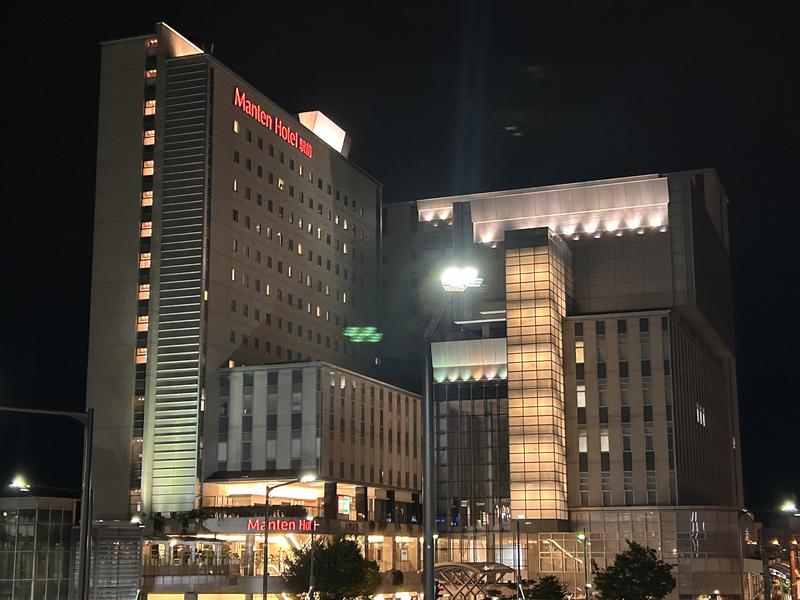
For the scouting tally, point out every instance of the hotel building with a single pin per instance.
(234, 244)
(585, 394)
(227, 232)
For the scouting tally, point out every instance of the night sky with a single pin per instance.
(439, 99)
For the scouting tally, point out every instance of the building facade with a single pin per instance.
(227, 232)
(591, 377)
(35, 547)
(340, 454)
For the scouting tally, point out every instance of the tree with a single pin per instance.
(637, 574)
(340, 571)
(547, 588)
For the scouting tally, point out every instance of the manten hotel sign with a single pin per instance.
(271, 122)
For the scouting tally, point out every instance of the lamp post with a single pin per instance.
(519, 561)
(311, 580)
(587, 586)
(454, 279)
(269, 489)
(87, 420)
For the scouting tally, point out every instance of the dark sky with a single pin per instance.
(439, 99)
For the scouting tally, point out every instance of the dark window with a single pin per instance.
(583, 462)
(623, 368)
(645, 368)
(605, 461)
(627, 461)
(648, 413)
(667, 368)
(664, 324)
(650, 460)
(579, 374)
(622, 326)
(604, 414)
(626, 414)
(582, 415)
(644, 325)
(601, 370)
(578, 330)
(600, 327)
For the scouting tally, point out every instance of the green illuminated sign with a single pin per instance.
(363, 334)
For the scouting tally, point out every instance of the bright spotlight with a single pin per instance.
(458, 279)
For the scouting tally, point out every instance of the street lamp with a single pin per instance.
(87, 420)
(311, 580)
(306, 478)
(587, 586)
(453, 279)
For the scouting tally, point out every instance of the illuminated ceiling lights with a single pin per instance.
(363, 334)
(458, 279)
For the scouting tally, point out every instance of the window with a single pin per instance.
(644, 325)
(578, 330)
(141, 356)
(147, 198)
(645, 368)
(235, 126)
(149, 137)
(150, 73)
(600, 327)
(146, 229)
(280, 183)
(149, 107)
(144, 291)
(142, 322)
(622, 326)
(144, 260)
(235, 215)
(579, 351)
(147, 167)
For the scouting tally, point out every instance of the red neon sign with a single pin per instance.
(282, 524)
(272, 123)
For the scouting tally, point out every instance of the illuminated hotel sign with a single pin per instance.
(257, 524)
(273, 123)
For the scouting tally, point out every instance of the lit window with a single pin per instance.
(233, 274)
(319, 312)
(147, 198)
(152, 42)
(308, 308)
(235, 185)
(581, 396)
(336, 219)
(267, 290)
(344, 248)
(582, 442)
(299, 248)
(144, 260)
(235, 126)
(280, 183)
(579, 358)
(604, 440)
(149, 107)
(344, 297)
(300, 169)
(319, 233)
(149, 137)
(141, 356)
(147, 229)
(344, 223)
(144, 291)
(142, 322)
(147, 167)
(150, 73)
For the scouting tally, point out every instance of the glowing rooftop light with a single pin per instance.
(458, 279)
(788, 506)
(612, 225)
(308, 478)
(20, 484)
